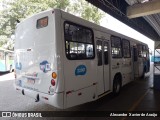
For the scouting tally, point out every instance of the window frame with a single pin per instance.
(112, 36)
(85, 43)
(123, 48)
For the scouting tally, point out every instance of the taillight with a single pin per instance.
(53, 82)
(54, 76)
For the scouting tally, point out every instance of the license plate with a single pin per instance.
(30, 81)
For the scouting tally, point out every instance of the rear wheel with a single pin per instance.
(117, 85)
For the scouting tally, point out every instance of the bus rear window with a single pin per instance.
(43, 22)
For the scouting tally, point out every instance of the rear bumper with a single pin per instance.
(55, 100)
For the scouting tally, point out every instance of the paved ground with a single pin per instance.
(136, 96)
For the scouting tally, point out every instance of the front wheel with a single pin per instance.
(116, 85)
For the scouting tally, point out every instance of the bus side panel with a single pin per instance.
(81, 96)
(6, 60)
(79, 88)
(140, 66)
(126, 70)
(2, 65)
(116, 67)
(59, 50)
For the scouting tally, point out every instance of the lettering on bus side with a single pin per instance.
(80, 70)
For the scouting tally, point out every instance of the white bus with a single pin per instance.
(6, 60)
(66, 61)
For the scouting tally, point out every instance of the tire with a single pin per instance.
(117, 85)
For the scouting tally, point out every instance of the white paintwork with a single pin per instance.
(34, 45)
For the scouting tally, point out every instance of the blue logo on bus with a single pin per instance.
(18, 66)
(45, 66)
(80, 70)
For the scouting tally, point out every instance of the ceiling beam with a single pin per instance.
(143, 9)
(139, 24)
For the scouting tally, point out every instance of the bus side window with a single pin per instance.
(116, 47)
(79, 43)
(99, 52)
(126, 48)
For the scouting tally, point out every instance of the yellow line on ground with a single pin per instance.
(132, 108)
(138, 101)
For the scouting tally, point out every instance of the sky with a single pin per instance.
(115, 25)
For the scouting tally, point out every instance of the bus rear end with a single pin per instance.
(36, 59)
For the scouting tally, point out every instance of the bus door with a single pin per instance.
(135, 61)
(103, 66)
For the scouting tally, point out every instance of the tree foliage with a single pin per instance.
(14, 10)
(86, 11)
